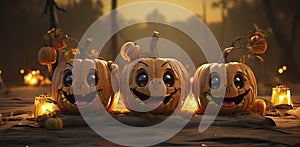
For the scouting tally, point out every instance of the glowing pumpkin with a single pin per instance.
(233, 81)
(83, 79)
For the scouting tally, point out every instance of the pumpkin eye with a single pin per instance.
(215, 82)
(92, 79)
(238, 81)
(68, 79)
(168, 79)
(142, 79)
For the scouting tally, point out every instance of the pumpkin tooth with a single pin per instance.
(63, 96)
(241, 103)
(169, 101)
(208, 97)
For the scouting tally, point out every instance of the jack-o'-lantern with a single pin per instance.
(156, 85)
(233, 81)
(77, 82)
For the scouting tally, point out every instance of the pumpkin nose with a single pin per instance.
(228, 88)
(157, 87)
(78, 85)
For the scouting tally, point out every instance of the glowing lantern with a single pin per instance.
(42, 105)
(281, 95)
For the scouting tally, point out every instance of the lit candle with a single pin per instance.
(281, 95)
(42, 106)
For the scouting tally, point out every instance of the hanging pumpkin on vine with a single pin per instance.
(61, 42)
(256, 43)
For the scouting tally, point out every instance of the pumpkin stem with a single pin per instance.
(235, 40)
(227, 51)
(153, 43)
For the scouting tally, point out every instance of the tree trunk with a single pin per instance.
(286, 46)
(114, 41)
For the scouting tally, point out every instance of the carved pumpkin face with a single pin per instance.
(233, 81)
(155, 83)
(77, 82)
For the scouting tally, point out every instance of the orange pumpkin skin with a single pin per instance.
(163, 80)
(258, 43)
(59, 44)
(234, 81)
(47, 55)
(65, 90)
(54, 123)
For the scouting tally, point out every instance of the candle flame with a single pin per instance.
(190, 104)
(42, 106)
(281, 95)
(119, 107)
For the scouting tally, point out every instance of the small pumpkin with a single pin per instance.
(258, 43)
(83, 79)
(59, 44)
(233, 81)
(54, 123)
(47, 55)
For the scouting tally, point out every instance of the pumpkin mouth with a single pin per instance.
(80, 99)
(227, 102)
(154, 100)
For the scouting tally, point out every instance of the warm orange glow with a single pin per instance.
(190, 105)
(284, 67)
(22, 71)
(281, 95)
(41, 106)
(0, 72)
(46, 82)
(33, 72)
(213, 15)
(33, 78)
(119, 107)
